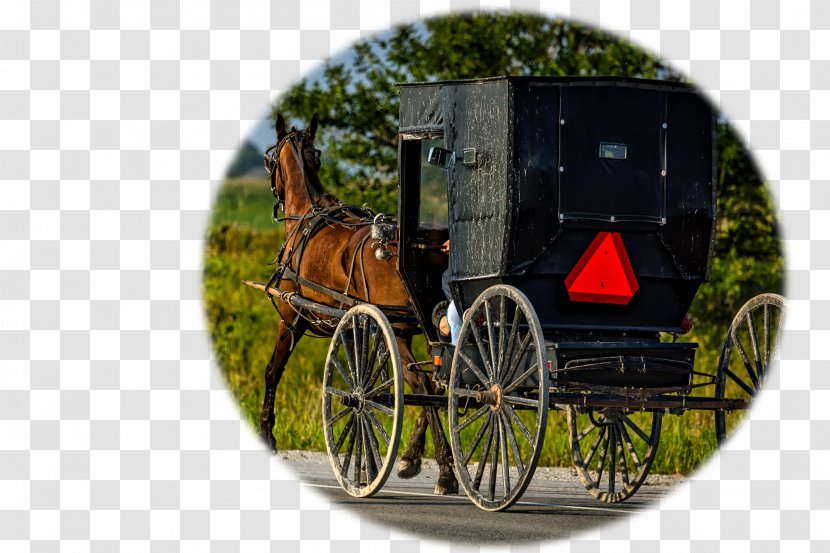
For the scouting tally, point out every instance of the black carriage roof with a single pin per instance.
(634, 82)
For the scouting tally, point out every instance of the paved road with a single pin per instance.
(554, 506)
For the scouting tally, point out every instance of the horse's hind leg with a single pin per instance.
(410, 464)
(286, 340)
(447, 483)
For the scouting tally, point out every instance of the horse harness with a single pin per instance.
(308, 225)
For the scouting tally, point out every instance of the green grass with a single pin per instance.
(242, 240)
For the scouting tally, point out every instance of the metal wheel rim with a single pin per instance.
(629, 460)
(497, 434)
(756, 357)
(363, 468)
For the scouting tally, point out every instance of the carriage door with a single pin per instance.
(422, 210)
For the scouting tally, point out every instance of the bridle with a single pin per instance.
(296, 140)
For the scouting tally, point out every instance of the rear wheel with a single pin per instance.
(363, 400)
(498, 398)
(613, 450)
(748, 352)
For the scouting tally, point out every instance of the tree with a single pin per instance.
(357, 101)
(248, 159)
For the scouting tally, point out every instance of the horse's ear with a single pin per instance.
(312, 127)
(280, 126)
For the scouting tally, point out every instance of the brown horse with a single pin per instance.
(328, 260)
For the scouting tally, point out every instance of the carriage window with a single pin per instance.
(433, 211)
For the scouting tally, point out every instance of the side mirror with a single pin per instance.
(440, 157)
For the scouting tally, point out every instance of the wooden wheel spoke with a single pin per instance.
(511, 342)
(382, 408)
(340, 414)
(344, 468)
(594, 446)
(370, 362)
(587, 430)
(621, 454)
(491, 342)
(747, 363)
(612, 464)
(637, 430)
(344, 434)
(374, 459)
(474, 443)
(746, 387)
(481, 351)
(472, 418)
(601, 466)
(378, 426)
(756, 346)
(482, 462)
(358, 460)
(515, 360)
(342, 371)
(518, 422)
(511, 438)
(522, 378)
(349, 358)
(356, 350)
(632, 451)
(500, 361)
(505, 467)
(518, 400)
(472, 366)
(465, 392)
(336, 391)
(494, 464)
(385, 385)
(364, 349)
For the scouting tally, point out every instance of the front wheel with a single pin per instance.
(363, 400)
(498, 398)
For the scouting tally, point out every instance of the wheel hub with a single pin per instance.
(492, 397)
(356, 400)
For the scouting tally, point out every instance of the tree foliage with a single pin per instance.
(357, 99)
(248, 160)
(357, 102)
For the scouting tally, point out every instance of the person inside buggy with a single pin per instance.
(445, 315)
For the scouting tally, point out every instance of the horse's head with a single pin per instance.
(293, 163)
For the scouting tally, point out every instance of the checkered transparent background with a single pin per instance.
(117, 120)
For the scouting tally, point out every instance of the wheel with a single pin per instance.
(613, 450)
(748, 352)
(498, 398)
(363, 400)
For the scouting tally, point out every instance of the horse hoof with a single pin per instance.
(409, 468)
(447, 485)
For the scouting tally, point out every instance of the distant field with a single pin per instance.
(242, 240)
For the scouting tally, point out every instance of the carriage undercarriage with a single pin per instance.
(503, 382)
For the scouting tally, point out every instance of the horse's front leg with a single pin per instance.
(286, 340)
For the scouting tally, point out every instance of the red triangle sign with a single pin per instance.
(603, 274)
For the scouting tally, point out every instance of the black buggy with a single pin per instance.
(581, 214)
